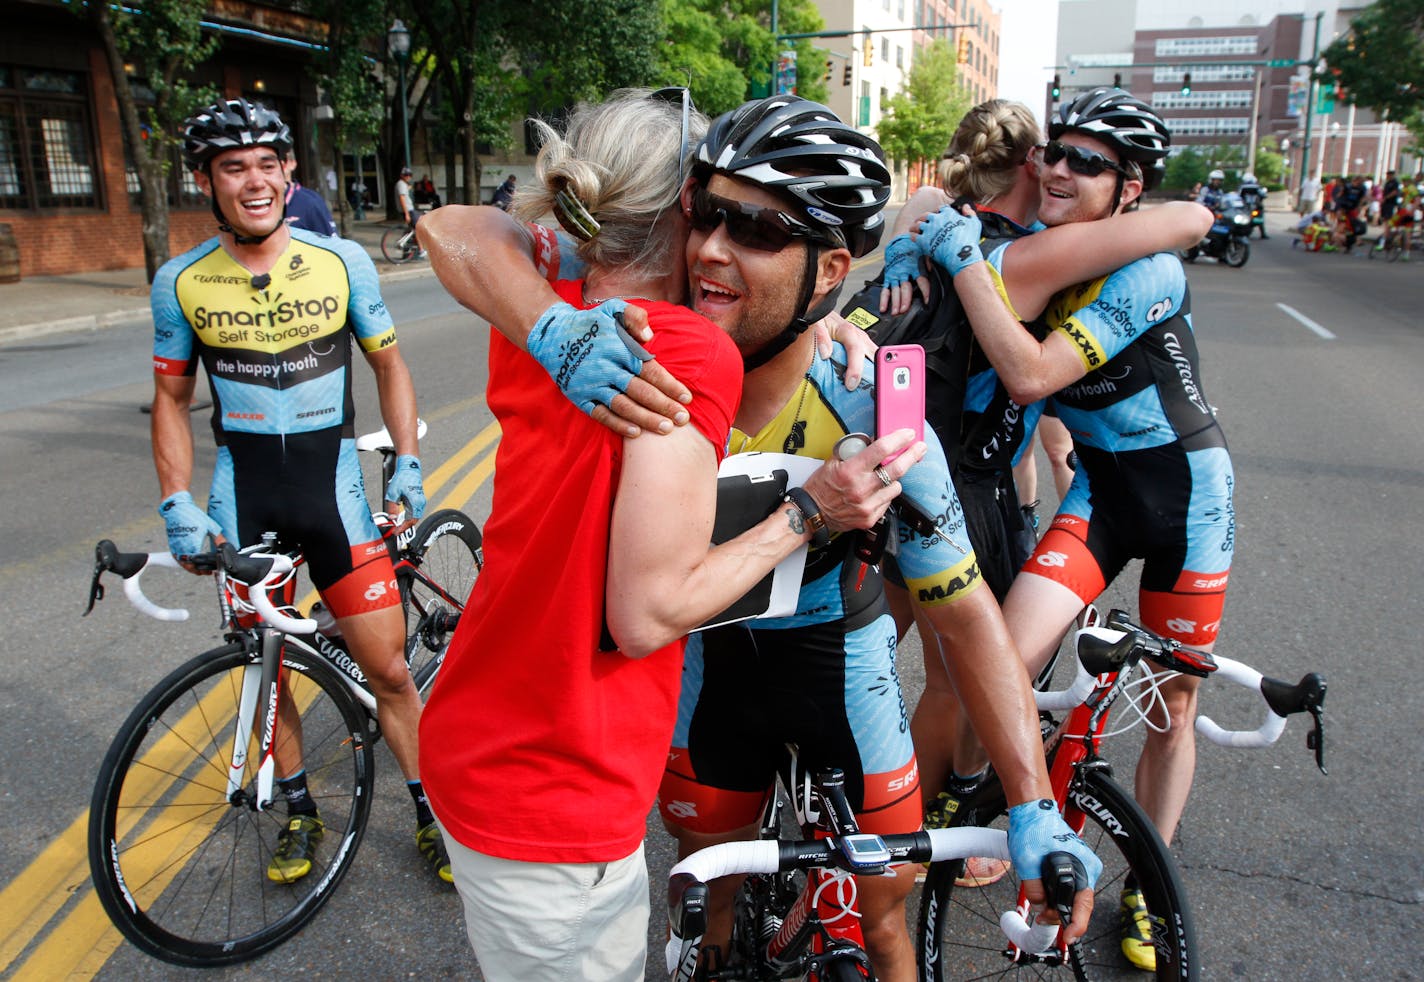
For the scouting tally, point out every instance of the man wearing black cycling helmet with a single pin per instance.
(781, 197)
(1154, 479)
(271, 312)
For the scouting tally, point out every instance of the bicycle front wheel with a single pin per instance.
(445, 558)
(396, 247)
(958, 927)
(179, 862)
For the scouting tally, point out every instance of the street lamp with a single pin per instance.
(398, 44)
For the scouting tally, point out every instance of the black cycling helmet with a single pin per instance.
(230, 125)
(833, 173)
(1130, 126)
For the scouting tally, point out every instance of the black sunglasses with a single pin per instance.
(679, 94)
(753, 226)
(1089, 163)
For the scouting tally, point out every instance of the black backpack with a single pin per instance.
(940, 327)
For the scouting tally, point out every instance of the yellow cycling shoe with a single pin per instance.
(1137, 931)
(296, 847)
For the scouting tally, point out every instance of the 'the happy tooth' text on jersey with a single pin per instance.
(278, 355)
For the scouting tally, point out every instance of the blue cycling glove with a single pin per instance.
(1036, 828)
(405, 485)
(902, 261)
(951, 239)
(588, 353)
(187, 524)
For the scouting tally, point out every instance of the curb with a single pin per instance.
(124, 318)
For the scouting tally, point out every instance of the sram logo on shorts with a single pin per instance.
(1211, 583)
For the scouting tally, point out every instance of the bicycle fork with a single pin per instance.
(258, 705)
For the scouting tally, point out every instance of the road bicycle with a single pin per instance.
(398, 244)
(795, 914)
(183, 818)
(955, 925)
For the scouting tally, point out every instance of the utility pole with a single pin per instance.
(1309, 110)
(1255, 116)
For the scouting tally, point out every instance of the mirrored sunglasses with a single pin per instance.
(1088, 163)
(752, 226)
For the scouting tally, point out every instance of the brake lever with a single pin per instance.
(1315, 739)
(96, 589)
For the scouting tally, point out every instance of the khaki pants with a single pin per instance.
(554, 922)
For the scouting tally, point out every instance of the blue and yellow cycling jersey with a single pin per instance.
(1133, 331)
(819, 413)
(277, 351)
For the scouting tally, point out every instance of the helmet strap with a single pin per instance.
(803, 319)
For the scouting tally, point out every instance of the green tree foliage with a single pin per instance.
(923, 115)
(1185, 169)
(345, 72)
(163, 41)
(1380, 63)
(722, 48)
(1270, 164)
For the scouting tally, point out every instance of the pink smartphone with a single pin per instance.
(899, 390)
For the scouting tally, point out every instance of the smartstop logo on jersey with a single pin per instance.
(267, 325)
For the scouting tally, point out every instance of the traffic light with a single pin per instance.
(1186, 83)
(1057, 89)
(845, 77)
(829, 65)
(962, 53)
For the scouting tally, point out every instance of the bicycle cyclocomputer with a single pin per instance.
(864, 852)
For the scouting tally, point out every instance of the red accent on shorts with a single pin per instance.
(892, 801)
(685, 803)
(371, 584)
(1191, 618)
(1191, 582)
(1063, 557)
(170, 366)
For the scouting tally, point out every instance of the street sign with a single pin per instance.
(786, 72)
(1280, 62)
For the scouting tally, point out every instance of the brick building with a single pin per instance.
(67, 190)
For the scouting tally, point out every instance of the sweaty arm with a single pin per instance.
(993, 687)
(1037, 266)
(491, 265)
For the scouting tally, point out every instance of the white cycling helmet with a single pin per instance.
(1216, 175)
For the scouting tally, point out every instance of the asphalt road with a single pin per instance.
(1293, 875)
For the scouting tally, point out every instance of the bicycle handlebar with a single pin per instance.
(1281, 698)
(1100, 650)
(687, 881)
(133, 590)
(259, 570)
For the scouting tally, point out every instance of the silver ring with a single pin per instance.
(884, 477)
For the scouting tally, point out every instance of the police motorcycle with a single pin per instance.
(1255, 197)
(1226, 242)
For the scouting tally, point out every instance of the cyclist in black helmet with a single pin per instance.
(1154, 479)
(781, 196)
(270, 311)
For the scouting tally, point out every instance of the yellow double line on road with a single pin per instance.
(79, 945)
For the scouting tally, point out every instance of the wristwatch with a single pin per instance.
(811, 514)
